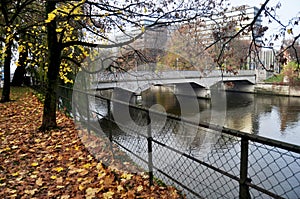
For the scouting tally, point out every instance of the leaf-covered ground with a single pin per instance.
(56, 164)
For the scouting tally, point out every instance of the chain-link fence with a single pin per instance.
(210, 164)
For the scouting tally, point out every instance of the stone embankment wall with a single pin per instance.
(277, 89)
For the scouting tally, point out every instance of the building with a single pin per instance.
(209, 33)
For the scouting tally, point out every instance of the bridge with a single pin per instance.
(181, 81)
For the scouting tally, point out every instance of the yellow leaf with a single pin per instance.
(88, 165)
(37, 140)
(101, 174)
(91, 192)
(143, 29)
(7, 149)
(12, 190)
(76, 148)
(58, 169)
(60, 186)
(59, 29)
(290, 31)
(53, 177)
(120, 188)
(15, 174)
(34, 164)
(108, 195)
(81, 187)
(139, 188)
(126, 176)
(31, 192)
(20, 48)
(65, 197)
(51, 16)
(33, 176)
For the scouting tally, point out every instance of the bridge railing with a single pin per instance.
(230, 164)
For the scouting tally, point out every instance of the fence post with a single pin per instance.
(149, 140)
(109, 118)
(244, 189)
(87, 105)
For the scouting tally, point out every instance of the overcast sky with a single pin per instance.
(289, 8)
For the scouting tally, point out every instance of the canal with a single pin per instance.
(276, 117)
(269, 116)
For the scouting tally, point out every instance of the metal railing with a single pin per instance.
(230, 164)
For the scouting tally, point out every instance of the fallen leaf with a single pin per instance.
(30, 192)
(91, 192)
(34, 164)
(58, 169)
(86, 166)
(108, 195)
(59, 180)
(65, 197)
(139, 188)
(126, 176)
(53, 177)
(39, 182)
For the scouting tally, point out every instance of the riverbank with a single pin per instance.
(277, 89)
(57, 164)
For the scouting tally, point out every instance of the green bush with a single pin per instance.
(275, 79)
(291, 71)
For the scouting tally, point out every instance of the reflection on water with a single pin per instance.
(270, 116)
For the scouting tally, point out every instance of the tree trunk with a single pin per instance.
(54, 59)
(19, 75)
(6, 86)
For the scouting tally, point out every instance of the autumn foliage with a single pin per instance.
(55, 164)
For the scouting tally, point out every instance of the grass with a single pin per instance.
(275, 79)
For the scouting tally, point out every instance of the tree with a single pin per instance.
(187, 48)
(98, 19)
(71, 25)
(13, 22)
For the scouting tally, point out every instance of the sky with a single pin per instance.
(289, 9)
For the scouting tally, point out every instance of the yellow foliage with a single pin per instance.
(51, 16)
(59, 29)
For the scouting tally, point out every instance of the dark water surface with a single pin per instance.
(275, 117)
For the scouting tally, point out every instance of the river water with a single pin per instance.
(275, 117)
(269, 116)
